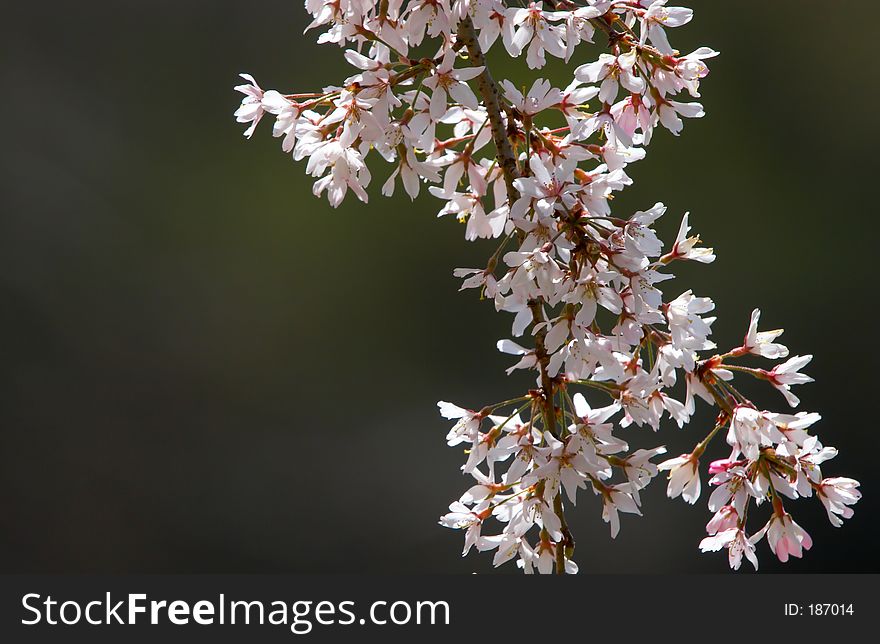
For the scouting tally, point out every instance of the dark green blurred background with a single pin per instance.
(204, 368)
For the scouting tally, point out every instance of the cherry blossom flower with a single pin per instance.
(685, 247)
(638, 469)
(565, 465)
(612, 71)
(251, 109)
(428, 17)
(737, 544)
(750, 430)
(689, 70)
(461, 518)
(761, 343)
(347, 169)
(670, 113)
(529, 359)
(539, 98)
(785, 537)
(446, 82)
(549, 184)
(659, 16)
(412, 172)
(684, 477)
(578, 27)
(837, 494)
(726, 518)
(616, 498)
(534, 31)
(467, 423)
(492, 20)
(784, 375)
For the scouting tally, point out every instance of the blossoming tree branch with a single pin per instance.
(536, 170)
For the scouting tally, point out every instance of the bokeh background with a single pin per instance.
(204, 368)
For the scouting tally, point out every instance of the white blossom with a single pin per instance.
(784, 375)
(760, 343)
(837, 494)
(785, 537)
(684, 477)
(737, 544)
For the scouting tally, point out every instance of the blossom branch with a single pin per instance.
(491, 95)
(548, 191)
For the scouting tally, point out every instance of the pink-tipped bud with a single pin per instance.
(721, 465)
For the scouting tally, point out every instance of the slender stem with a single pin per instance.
(567, 538)
(757, 373)
(488, 409)
(491, 95)
(511, 417)
(701, 447)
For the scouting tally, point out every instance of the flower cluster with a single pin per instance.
(536, 168)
